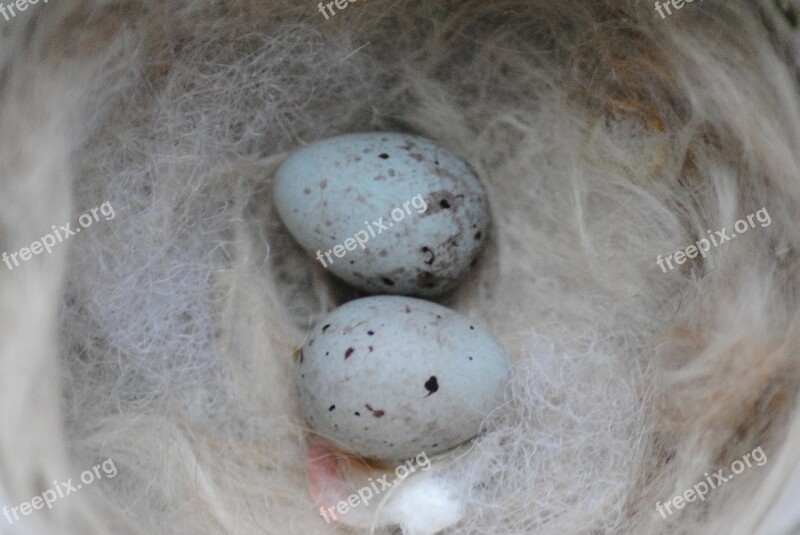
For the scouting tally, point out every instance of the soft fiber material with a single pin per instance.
(609, 139)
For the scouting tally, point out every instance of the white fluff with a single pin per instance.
(424, 505)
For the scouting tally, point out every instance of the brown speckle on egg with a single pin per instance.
(376, 414)
(431, 258)
(348, 352)
(431, 385)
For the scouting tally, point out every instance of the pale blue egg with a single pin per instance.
(390, 377)
(386, 212)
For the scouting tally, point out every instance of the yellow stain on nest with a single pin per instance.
(654, 154)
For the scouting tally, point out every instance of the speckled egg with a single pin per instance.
(388, 213)
(390, 377)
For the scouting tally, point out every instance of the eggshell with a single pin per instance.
(388, 213)
(390, 377)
